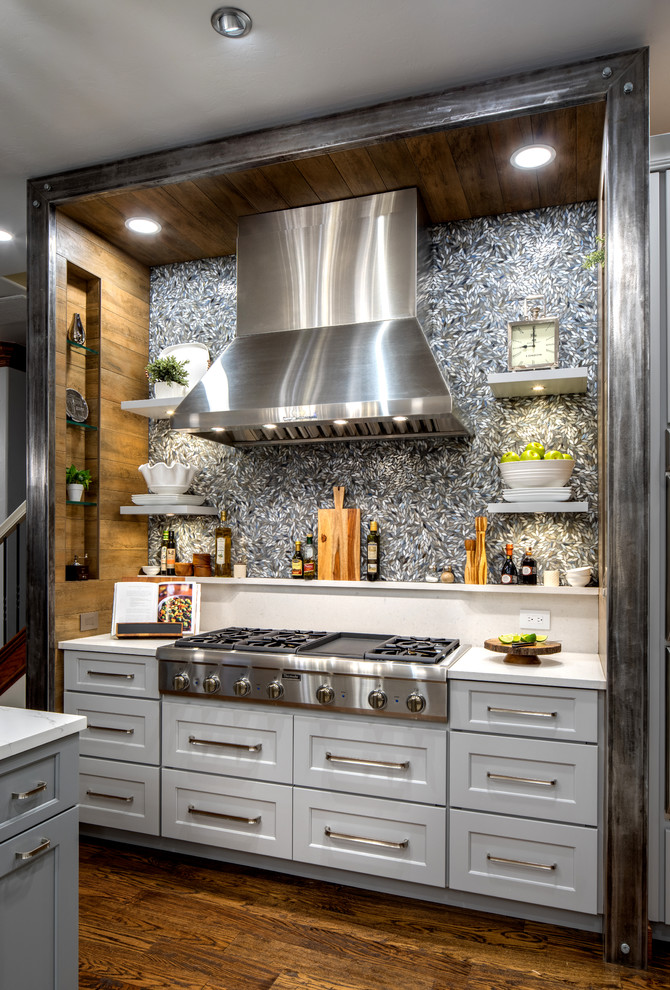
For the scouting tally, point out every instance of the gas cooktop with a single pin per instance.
(309, 642)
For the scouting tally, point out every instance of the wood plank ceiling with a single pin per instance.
(460, 174)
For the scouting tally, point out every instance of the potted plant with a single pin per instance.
(76, 481)
(168, 377)
(596, 257)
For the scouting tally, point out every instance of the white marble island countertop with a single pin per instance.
(558, 669)
(22, 729)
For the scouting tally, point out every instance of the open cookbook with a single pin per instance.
(141, 606)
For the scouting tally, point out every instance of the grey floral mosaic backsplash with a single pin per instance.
(426, 493)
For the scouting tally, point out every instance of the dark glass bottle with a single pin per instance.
(309, 559)
(372, 553)
(171, 553)
(528, 573)
(163, 557)
(297, 563)
(509, 573)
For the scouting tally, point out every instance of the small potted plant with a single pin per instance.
(168, 377)
(596, 257)
(76, 481)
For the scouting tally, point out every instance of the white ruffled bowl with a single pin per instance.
(536, 474)
(168, 479)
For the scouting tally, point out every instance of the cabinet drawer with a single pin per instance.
(36, 785)
(118, 728)
(119, 795)
(370, 835)
(111, 673)
(539, 778)
(522, 860)
(215, 739)
(252, 816)
(525, 710)
(39, 905)
(371, 758)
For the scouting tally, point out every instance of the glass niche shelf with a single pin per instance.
(68, 502)
(80, 347)
(84, 426)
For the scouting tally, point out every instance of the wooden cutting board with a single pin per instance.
(339, 541)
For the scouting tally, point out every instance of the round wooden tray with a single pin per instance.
(522, 653)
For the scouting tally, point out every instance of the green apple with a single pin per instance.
(531, 455)
(568, 457)
(509, 456)
(536, 445)
(553, 455)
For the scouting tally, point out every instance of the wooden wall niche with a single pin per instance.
(110, 291)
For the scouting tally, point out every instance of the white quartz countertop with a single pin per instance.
(105, 643)
(22, 729)
(558, 669)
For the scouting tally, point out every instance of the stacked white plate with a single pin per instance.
(537, 494)
(168, 499)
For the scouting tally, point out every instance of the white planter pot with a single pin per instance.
(74, 492)
(197, 356)
(168, 390)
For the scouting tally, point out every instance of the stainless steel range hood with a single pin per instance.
(329, 345)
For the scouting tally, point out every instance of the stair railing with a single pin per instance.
(11, 528)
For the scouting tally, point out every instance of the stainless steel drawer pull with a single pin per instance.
(109, 673)
(37, 789)
(255, 748)
(368, 842)
(518, 711)
(43, 846)
(114, 797)
(111, 728)
(521, 862)
(367, 763)
(521, 780)
(229, 818)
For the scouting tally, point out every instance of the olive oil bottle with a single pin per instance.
(372, 553)
(163, 557)
(298, 562)
(309, 559)
(223, 539)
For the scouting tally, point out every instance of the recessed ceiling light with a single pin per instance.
(218, 429)
(538, 388)
(231, 22)
(533, 156)
(269, 426)
(400, 419)
(340, 422)
(6, 236)
(143, 225)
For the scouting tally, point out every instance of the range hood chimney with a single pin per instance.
(328, 345)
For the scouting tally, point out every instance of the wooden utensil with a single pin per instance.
(522, 653)
(339, 541)
(480, 550)
(470, 573)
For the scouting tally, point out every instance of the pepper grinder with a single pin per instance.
(470, 576)
(480, 550)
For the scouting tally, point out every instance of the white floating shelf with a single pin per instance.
(555, 381)
(169, 510)
(153, 408)
(538, 507)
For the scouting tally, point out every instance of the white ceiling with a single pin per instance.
(82, 81)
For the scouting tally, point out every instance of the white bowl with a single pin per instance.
(151, 569)
(577, 571)
(176, 477)
(578, 580)
(536, 474)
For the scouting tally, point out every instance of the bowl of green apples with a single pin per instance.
(536, 467)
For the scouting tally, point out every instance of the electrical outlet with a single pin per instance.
(88, 620)
(535, 620)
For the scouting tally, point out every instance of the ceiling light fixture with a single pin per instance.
(533, 156)
(269, 426)
(6, 236)
(231, 22)
(538, 388)
(143, 225)
(341, 422)
(218, 429)
(400, 419)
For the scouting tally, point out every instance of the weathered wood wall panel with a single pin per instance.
(112, 292)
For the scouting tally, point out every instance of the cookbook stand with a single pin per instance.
(148, 630)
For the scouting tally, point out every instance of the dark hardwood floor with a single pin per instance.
(154, 920)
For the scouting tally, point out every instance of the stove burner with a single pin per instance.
(281, 640)
(220, 639)
(411, 649)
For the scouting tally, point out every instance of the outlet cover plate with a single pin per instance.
(88, 620)
(533, 619)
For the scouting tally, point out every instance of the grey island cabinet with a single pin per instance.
(38, 849)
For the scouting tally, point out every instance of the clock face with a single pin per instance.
(533, 344)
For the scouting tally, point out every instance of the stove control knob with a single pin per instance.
(275, 690)
(377, 699)
(211, 684)
(242, 687)
(325, 694)
(181, 682)
(416, 703)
